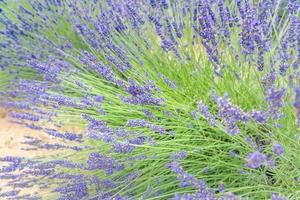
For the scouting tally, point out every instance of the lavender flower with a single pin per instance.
(25, 116)
(277, 149)
(10, 193)
(15, 163)
(250, 141)
(296, 103)
(202, 190)
(255, 160)
(277, 197)
(259, 116)
(221, 187)
(179, 155)
(149, 114)
(145, 123)
(77, 189)
(230, 114)
(66, 135)
(167, 81)
(130, 75)
(98, 161)
(142, 95)
(205, 112)
(229, 196)
(276, 102)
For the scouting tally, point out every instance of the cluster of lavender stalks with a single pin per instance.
(172, 99)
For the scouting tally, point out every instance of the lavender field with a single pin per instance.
(150, 99)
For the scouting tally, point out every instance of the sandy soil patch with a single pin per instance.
(12, 135)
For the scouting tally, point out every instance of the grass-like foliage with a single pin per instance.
(171, 99)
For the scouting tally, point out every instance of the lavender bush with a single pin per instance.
(171, 99)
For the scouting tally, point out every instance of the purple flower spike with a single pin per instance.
(230, 114)
(275, 98)
(296, 103)
(15, 163)
(98, 161)
(277, 197)
(221, 187)
(99, 98)
(205, 112)
(25, 116)
(277, 148)
(255, 160)
(11, 193)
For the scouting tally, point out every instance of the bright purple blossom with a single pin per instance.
(230, 114)
(277, 148)
(275, 99)
(205, 112)
(102, 162)
(66, 135)
(255, 160)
